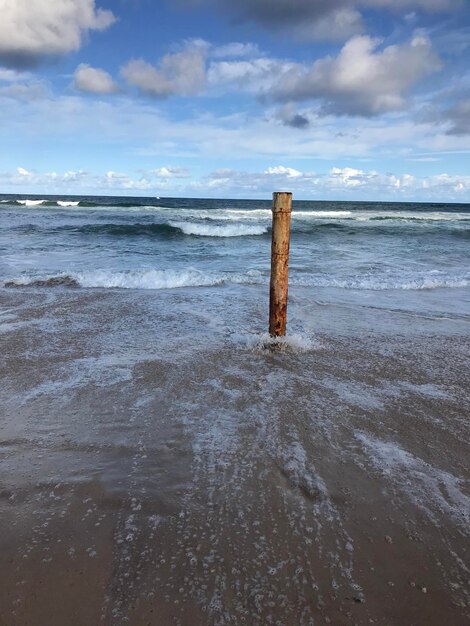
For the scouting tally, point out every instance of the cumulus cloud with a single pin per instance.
(32, 30)
(318, 19)
(179, 74)
(361, 80)
(93, 80)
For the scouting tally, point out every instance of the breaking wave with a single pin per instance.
(191, 277)
(170, 229)
(31, 202)
(212, 230)
(138, 279)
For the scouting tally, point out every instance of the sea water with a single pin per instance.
(409, 258)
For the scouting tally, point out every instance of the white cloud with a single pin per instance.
(13, 76)
(148, 79)
(145, 136)
(254, 75)
(339, 182)
(361, 80)
(232, 182)
(345, 182)
(93, 80)
(373, 182)
(280, 170)
(179, 74)
(347, 176)
(170, 172)
(21, 86)
(31, 30)
(34, 90)
(235, 50)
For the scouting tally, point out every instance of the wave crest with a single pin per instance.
(31, 202)
(226, 230)
(191, 277)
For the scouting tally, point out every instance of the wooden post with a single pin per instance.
(282, 208)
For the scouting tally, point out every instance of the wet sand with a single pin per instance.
(154, 472)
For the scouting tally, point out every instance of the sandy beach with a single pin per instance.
(147, 479)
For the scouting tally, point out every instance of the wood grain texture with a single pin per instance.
(278, 291)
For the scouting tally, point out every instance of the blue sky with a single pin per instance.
(332, 99)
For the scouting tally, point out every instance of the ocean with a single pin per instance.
(412, 257)
(161, 464)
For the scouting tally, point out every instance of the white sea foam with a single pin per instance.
(297, 214)
(148, 279)
(31, 202)
(191, 277)
(396, 216)
(212, 230)
(378, 282)
(67, 203)
(262, 341)
(400, 217)
(248, 212)
(425, 484)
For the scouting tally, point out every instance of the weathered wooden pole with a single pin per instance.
(282, 209)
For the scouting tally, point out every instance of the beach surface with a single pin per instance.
(159, 466)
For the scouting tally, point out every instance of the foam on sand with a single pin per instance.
(427, 486)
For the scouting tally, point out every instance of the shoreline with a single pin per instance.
(146, 481)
